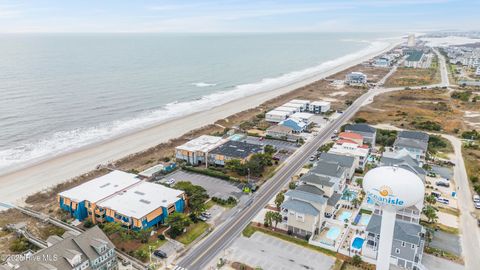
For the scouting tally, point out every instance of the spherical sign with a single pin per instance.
(393, 187)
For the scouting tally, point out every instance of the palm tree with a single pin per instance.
(276, 218)
(431, 199)
(355, 202)
(430, 213)
(267, 220)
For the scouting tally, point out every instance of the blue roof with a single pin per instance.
(295, 125)
(300, 207)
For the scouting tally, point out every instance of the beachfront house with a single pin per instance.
(289, 110)
(233, 150)
(414, 142)
(369, 133)
(303, 116)
(195, 151)
(88, 250)
(408, 243)
(382, 62)
(356, 78)
(298, 107)
(275, 116)
(319, 106)
(124, 198)
(296, 125)
(282, 133)
(303, 102)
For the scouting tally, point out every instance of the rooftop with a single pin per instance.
(342, 160)
(152, 170)
(203, 143)
(317, 179)
(280, 113)
(102, 186)
(410, 143)
(302, 115)
(333, 200)
(332, 169)
(300, 207)
(83, 244)
(403, 231)
(286, 109)
(237, 149)
(360, 128)
(414, 56)
(416, 135)
(350, 135)
(141, 199)
(300, 101)
(305, 196)
(320, 103)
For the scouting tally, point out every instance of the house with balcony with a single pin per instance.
(89, 250)
(345, 161)
(408, 242)
(124, 198)
(356, 78)
(319, 106)
(413, 142)
(351, 148)
(196, 151)
(369, 133)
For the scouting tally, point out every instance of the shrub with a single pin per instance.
(161, 237)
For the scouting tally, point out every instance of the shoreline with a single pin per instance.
(18, 184)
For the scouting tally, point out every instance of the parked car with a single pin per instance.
(443, 200)
(160, 254)
(170, 181)
(312, 158)
(436, 194)
(442, 184)
(206, 214)
(477, 205)
(478, 222)
(202, 218)
(476, 198)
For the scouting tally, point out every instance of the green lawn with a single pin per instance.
(193, 232)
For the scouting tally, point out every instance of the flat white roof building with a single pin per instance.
(319, 106)
(141, 199)
(203, 143)
(293, 105)
(276, 116)
(302, 102)
(303, 116)
(290, 110)
(101, 187)
(152, 170)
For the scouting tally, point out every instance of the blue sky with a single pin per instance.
(237, 16)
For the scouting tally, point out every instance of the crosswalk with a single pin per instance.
(178, 267)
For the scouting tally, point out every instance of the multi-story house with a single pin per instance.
(90, 250)
(345, 161)
(408, 242)
(369, 133)
(414, 142)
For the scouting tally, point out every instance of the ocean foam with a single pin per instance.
(203, 84)
(66, 141)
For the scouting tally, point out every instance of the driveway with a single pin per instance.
(215, 187)
(443, 172)
(470, 238)
(277, 143)
(270, 253)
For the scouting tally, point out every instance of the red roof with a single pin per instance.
(350, 135)
(346, 141)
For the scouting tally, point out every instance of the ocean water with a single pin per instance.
(60, 92)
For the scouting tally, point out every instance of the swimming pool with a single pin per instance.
(345, 215)
(364, 220)
(357, 243)
(333, 233)
(237, 137)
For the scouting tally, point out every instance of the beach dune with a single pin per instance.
(17, 185)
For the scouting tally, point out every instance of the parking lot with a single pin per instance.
(270, 253)
(215, 187)
(290, 146)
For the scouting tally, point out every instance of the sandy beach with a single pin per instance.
(15, 186)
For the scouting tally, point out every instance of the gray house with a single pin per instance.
(414, 142)
(408, 242)
(369, 133)
(347, 162)
(89, 250)
(333, 171)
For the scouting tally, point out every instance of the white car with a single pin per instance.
(170, 181)
(477, 205)
(476, 198)
(443, 200)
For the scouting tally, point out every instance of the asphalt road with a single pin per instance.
(221, 237)
(204, 252)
